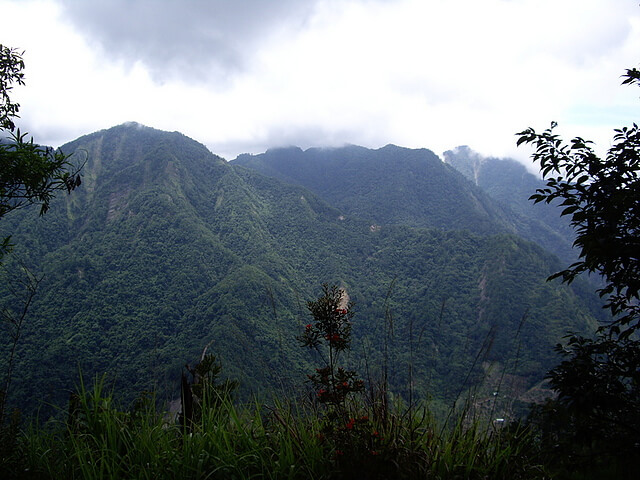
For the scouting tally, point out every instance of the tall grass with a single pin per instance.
(284, 440)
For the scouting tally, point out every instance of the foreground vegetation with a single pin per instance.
(284, 440)
(343, 428)
(340, 430)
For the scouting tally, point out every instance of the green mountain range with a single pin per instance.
(167, 249)
(390, 186)
(401, 186)
(510, 183)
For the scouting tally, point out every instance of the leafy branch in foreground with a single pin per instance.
(11, 66)
(32, 174)
(603, 198)
(29, 173)
(595, 422)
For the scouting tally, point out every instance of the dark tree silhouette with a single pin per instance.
(29, 173)
(596, 418)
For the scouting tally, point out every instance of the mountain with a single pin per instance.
(166, 249)
(508, 182)
(413, 187)
(388, 186)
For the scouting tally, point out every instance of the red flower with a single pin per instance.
(364, 418)
(339, 452)
(309, 327)
(375, 452)
(350, 424)
(321, 392)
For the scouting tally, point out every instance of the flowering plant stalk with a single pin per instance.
(347, 430)
(330, 334)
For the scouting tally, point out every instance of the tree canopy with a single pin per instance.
(603, 198)
(11, 66)
(596, 417)
(29, 173)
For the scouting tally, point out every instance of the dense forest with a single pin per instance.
(167, 248)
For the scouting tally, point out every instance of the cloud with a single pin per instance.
(421, 73)
(243, 76)
(196, 40)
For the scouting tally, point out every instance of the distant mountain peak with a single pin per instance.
(282, 149)
(391, 185)
(133, 124)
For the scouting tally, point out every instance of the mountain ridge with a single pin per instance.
(509, 182)
(168, 248)
(391, 185)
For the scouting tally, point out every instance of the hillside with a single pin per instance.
(166, 248)
(389, 186)
(401, 186)
(508, 182)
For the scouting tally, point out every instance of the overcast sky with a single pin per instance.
(246, 75)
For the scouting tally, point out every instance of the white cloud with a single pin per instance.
(417, 73)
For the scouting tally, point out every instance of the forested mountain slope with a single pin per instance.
(166, 248)
(401, 186)
(509, 182)
(390, 186)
